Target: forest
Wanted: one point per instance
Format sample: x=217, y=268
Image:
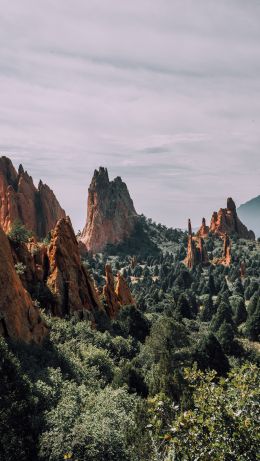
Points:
x=173, y=377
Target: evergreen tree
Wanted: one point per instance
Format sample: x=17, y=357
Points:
x=223, y=313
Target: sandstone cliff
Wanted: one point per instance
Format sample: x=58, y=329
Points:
x=226, y=221
x=117, y=295
x=123, y=291
x=36, y=208
x=196, y=251
x=19, y=318
x=111, y=216
x=203, y=230
x=110, y=296
x=68, y=279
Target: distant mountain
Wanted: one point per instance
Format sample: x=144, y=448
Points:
x=249, y=212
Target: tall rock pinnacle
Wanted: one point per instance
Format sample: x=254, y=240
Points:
x=111, y=216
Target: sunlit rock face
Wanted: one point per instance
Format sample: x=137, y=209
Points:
x=196, y=251
x=68, y=279
x=19, y=318
x=36, y=208
x=226, y=221
x=111, y=216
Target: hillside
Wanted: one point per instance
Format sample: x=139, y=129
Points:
x=249, y=212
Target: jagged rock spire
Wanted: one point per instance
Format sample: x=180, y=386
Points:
x=111, y=216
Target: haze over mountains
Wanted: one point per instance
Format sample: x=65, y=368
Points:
x=249, y=212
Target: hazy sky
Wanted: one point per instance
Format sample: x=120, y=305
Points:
x=164, y=93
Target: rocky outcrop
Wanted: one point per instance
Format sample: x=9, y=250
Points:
x=111, y=216
x=226, y=250
x=225, y=260
x=36, y=208
x=123, y=291
x=196, y=251
x=226, y=221
x=112, y=303
x=68, y=279
x=203, y=230
x=19, y=318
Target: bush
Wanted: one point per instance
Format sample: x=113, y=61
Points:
x=19, y=233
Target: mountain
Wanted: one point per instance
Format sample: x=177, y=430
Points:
x=250, y=213
x=111, y=216
x=35, y=207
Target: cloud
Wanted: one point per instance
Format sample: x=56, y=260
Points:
x=165, y=94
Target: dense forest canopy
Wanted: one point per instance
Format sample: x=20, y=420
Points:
x=172, y=377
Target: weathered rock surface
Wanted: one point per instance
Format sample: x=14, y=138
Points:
x=109, y=293
x=203, y=230
x=225, y=260
x=36, y=208
x=68, y=279
x=226, y=221
x=123, y=291
x=111, y=216
x=196, y=251
x=19, y=318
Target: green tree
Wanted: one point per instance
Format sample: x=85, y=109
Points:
x=223, y=424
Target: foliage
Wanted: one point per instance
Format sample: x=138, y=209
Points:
x=19, y=233
x=224, y=421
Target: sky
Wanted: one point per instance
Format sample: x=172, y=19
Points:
x=165, y=94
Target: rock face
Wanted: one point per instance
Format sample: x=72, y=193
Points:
x=36, y=208
x=118, y=296
x=123, y=292
x=203, y=230
x=225, y=260
x=226, y=251
x=111, y=216
x=19, y=318
x=109, y=293
x=196, y=252
x=227, y=221
x=68, y=279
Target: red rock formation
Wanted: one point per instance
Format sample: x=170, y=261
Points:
x=68, y=279
x=33, y=257
x=38, y=209
x=111, y=216
x=19, y=318
x=123, y=292
x=203, y=230
x=110, y=295
x=225, y=260
x=227, y=221
x=196, y=252
x=226, y=250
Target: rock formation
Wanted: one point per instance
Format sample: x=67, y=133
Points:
x=196, y=252
x=19, y=318
x=111, y=216
x=110, y=296
x=123, y=292
x=68, y=279
x=36, y=208
x=225, y=260
x=226, y=250
x=203, y=230
x=227, y=221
